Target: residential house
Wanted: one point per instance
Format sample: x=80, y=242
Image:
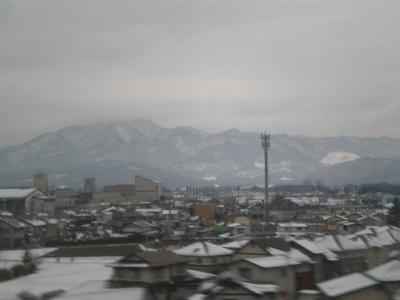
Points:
x=292, y=228
x=18, y=201
x=352, y=254
x=354, y=216
x=370, y=221
x=237, y=229
x=229, y=286
x=207, y=257
x=12, y=231
x=43, y=204
x=387, y=274
x=380, y=241
x=37, y=229
x=325, y=261
x=291, y=271
x=159, y=271
x=349, y=227
x=331, y=223
x=255, y=247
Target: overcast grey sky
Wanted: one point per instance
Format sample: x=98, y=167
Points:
x=310, y=67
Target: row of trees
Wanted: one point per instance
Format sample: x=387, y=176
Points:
x=394, y=214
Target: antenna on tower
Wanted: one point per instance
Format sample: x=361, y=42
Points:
x=265, y=143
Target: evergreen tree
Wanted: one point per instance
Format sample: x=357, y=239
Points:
x=27, y=257
x=394, y=214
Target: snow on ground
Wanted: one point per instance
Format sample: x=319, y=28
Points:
x=52, y=275
x=97, y=290
x=9, y=258
x=334, y=158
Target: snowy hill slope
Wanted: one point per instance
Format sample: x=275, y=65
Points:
x=116, y=151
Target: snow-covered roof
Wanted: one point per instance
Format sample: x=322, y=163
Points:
x=197, y=296
x=218, y=285
x=235, y=244
x=387, y=272
x=309, y=292
x=273, y=261
x=259, y=289
x=233, y=225
x=203, y=249
x=36, y=222
x=16, y=193
x=128, y=265
x=337, y=216
x=200, y=275
x=149, y=210
x=377, y=236
x=316, y=248
x=367, y=217
x=52, y=221
x=114, y=208
x=299, y=256
x=170, y=212
x=339, y=243
x=346, y=284
x=293, y=225
x=294, y=254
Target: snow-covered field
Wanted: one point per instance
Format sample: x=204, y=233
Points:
x=9, y=258
x=80, y=278
x=334, y=158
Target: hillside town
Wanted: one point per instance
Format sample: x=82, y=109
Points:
x=144, y=241
x=199, y=150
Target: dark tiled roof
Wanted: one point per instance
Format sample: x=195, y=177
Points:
x=156, y=258
x=277, y=243
x=98, y=250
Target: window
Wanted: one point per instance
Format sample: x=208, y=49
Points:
x=245, y=272
x=136, y=275
x=159, y=273
x=180, y=269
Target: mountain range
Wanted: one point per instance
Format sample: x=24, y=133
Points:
x=114, y=152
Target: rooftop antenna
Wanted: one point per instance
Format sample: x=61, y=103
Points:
x=265, y=143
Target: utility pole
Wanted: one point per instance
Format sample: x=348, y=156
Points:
x=265, y=143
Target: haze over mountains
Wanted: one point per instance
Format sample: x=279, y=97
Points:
x=115, y=152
